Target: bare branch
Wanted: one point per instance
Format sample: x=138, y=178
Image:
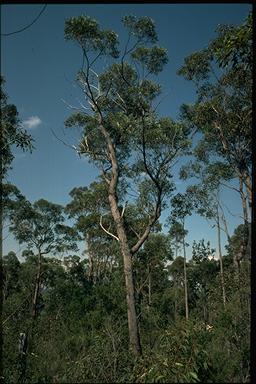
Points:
x=135, y=232
x=229, y=186
x=123, y=209
x=66, y=144
x=90, y=69
x=142, y=285
x=105, y=230
x=82, y=105
x=70, y=106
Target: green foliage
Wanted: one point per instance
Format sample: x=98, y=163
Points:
x=181, y=206
x=201, y=252
x=87, y=33
x=82, y=325
x=196, y=66
x=222, y=112
x=239, y=237
x=142, y=28
x=41, y=226
x=154, y=58
x=179, y=357
x=80, y=333
x=12, y=132
x=232, y=46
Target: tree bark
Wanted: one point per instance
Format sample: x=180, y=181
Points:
x=223, y=218
x=149, y=287
x=221, y=261
x=248, y=185
x=90, y=259
x=244, y=204
x=185, y=275
x=134, y=336
x=37, y=286
x=175, y=300
x=129, y=282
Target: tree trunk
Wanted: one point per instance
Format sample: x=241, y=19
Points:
x=90, y=259
x=221, y=261
x=37, y=286
x=185, y=275
x=129, y=282
x=134, y=336
x=244, y=204
x=248, y=185
x=246, y=219
x=149, y=287
x=175, y=285
x=223, y=219
x=175, y=300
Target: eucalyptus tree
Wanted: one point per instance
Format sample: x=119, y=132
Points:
x=202, y=272
x=89, y=207
x=181, y=208
x=205, y=203
x=150, y=263
x=12, y=133
x=11, y=267
x=121, y=132
x=210, y=178
x=207, y=200
x=41, y=227
x=222, y=113
x=177, y=234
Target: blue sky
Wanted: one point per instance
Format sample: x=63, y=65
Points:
x=39, y=67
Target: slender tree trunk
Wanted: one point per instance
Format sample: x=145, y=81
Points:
x=221, y=261
x=90, y=259
x=223, y=219
x=185, y=274
x=246, y=219
x=129, y=282
x=29, y=332
x=175, y=300
x=175, y=285
x=149, y=287
x=133, y=327
x=37, y=286
x=246, y=242
x=248, y=185
x=205, y=313
x=244, y=203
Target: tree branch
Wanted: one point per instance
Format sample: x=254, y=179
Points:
x=105, y=230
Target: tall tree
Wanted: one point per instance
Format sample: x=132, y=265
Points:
x=41, y=226
x=205, y=201
x=120, y=127
x=222, y=114
x=89, y=207
x=202, y=273
x=177, y=234
x=12, y=133
x=181, y=208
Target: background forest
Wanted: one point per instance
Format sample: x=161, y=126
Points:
x=134, y=307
